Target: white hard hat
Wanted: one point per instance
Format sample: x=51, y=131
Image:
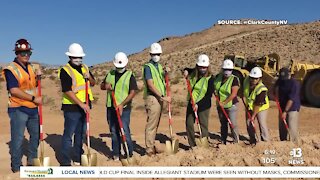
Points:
x=203, y=60
x=227, y=64
x=155, y=48
x=255, y=72
x=75, y=50
x=120, y=60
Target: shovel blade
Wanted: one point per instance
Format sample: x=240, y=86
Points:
x=89, y=160
x=36, y=162
x=203, y=142
x=168, y=147
x=128, y=161
x=42, y=161
x=175, y=146
x=172, y=146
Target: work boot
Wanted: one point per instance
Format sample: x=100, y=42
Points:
x=116, y=158
x=150, y=152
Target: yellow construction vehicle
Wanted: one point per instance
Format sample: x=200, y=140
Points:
x=307, y=74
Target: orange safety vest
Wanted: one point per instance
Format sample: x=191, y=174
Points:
x=27, y=83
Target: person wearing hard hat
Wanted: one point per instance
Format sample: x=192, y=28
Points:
x=202, y=83
x=287, y=91
x=73, y=77
x=226, y=88
x=20, y=76
x=256, y=99
x=124, y=84
x=154, y=95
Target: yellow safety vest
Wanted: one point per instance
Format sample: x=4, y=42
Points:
x=157, y=77
x=78, y=84
x=224, y=90
x=121, y=87
x=199, y=88
x=250, y=97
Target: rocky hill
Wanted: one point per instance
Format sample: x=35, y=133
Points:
x=294, y=41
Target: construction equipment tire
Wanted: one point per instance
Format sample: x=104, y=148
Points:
x=312, y=89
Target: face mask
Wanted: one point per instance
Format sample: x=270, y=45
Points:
x=155, y=58
x=77, y=61
x=202, y=71
x=227, y=73
x=121, y=70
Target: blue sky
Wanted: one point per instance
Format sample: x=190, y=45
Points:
x=104, y=27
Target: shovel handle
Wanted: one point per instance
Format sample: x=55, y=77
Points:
x=191, y=99
x=40, y=107
x=249, y=115
x=87, y=113
x=193, y=105
x=224, y=112
x=168, y=94
x=118, y=117
x=280, y=110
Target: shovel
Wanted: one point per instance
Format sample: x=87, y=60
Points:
x=41, y=161
x=203, y=141
x=225, y=114
x=172, y=145
x=251, y=120
x=129, y=160
x=88, y=159
x=284, y=120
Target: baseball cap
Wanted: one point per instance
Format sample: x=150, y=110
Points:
x=284, y=73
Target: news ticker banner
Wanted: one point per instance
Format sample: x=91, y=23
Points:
x=171, y=172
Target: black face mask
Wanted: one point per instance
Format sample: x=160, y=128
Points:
x=202, y=71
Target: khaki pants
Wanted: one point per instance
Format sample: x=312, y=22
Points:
x=190, y=120
x=262, y=121
x=292, y=121
x=153, y=108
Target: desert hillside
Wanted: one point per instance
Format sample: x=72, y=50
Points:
x=295, y=41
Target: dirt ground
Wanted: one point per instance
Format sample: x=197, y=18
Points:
x=240, y=154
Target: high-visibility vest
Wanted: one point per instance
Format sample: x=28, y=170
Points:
x=27, y=83
x=199, y=88
x=224, y=90
x=157, y=77
x=121, y=87
x=78, y=84
x=250, y=97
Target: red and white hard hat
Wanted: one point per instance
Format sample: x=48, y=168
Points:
x=22, y=45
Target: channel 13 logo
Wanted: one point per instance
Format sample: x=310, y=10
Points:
x=296, y=156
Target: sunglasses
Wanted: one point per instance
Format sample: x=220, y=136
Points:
x=25, y=53
x=155, y=54
x=251, y=78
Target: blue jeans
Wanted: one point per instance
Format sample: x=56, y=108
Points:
x=115, y=130
x=18, y=122
x=73, y=125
